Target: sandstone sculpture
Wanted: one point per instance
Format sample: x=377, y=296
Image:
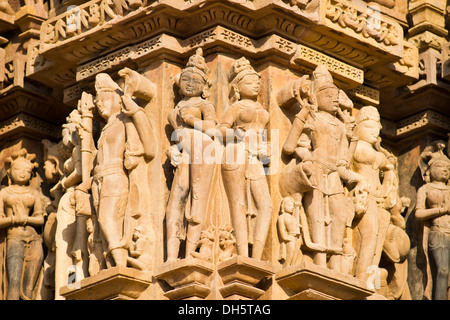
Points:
x=192, y=119
x=21, y=212
x=245, y=152
x=126, y=143
x=432, y=208
x=319, y=166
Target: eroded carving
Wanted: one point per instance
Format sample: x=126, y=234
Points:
x=432, y=209
x=246, y=151
x=318, y=146
x=193, y=119
x=118, y=172
x=21, y=213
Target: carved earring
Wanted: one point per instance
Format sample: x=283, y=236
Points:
x=236, y=95
x=177, y=79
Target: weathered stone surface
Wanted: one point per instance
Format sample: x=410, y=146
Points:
x=224, y=149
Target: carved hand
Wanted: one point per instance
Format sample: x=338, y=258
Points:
x=174, y=155
x=131, y=81
x=129, y=106
x=239, y=133
x=308, y=167
x=187, y=118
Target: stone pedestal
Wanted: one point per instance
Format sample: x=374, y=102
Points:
x=117, y=283
x=241, y=276
x=307, y=281
x=189, y=279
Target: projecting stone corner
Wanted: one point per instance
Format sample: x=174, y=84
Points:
x=307, y=281
x=188, y=279
x=117, y=283
x=241, y=276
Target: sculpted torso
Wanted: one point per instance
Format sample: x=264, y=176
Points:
x=111, y=145
x=436, y=197
x=367, y=162
x=327, y=138
x=18, y=201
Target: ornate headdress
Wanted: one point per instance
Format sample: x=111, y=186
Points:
x=240, y=69
x=367, y=113
x=104, y=83
x=321, y=79
x=21, y=155
x=430, y=155
x=197, y=64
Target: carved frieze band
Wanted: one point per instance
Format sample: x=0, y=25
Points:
x=365, y=22
x=418, y=121
x=30, y=124
x=296, y=53
x=365, y=94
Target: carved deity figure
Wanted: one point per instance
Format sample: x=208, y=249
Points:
x=21, y=212
x=433, y=208
x=140, y=257
x=67, y=233
x=370, y=161
x=289, y=232
x=315, y=176
x=227, y=243
x=192, y=119
x=246, y=151
x=126, y=139
x=205, y=245
x=55, y=154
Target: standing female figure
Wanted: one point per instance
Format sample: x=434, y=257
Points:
x=369, y=162
x=192, y=119
x=243, y=173
x=433, y=208
x=21, y=211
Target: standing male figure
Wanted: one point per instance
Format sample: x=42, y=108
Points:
x=126, y=136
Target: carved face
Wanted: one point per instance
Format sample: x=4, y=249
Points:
x=328, y=99
x=369, y=131
x=249, y=86
x=68, y=132
x=440, y=171
x=107, y=103
x=191, y=84
x=51, y=174
x=20, y=172
x=289, y=206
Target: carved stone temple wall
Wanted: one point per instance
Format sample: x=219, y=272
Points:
x=224, y=150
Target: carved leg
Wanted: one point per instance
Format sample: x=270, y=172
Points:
x=442, y=260
x=368, y=227
x=34, y=256
x=112, y=206
x=234, y=182
x=175, y=210
x=64, y=237
x=15, y=251
x=339, y=214
x=201, y=178
x=314, y=210
x=263, y=203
